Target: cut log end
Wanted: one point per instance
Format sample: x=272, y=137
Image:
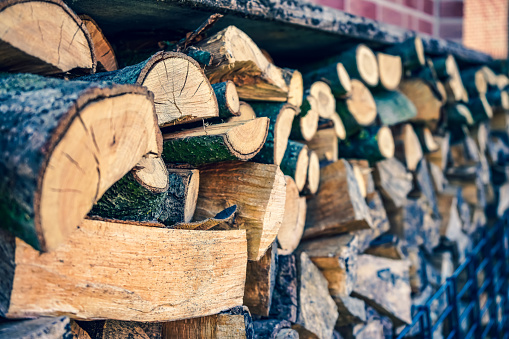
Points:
x=326, y=104
x=301, y=168
x=309, y=123
x=429, y=142
x=106, y=60
x=282, y=131
x=227, y=99
x=385, y=142
x=313, y=180
x=391, y=70
x=291, y=229
x=339, y=127
x=151, y=173
x=295, y=89
x=247, y=139
x=246, y=112
x=361, y=105
x=419, y=48
x=25, y=46
x=344, y=78
x=367, y=65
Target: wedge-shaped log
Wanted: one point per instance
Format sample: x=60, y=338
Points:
x=358, y=109
x=391, y=71
x=411, y=52
x=281, y=117
x=379, y=218
x=373, y=143
x=180, y=201
x=182, y=93
x=42, y=328
x=295, y=162
x=25, y=43
x=240, y=140
x=138, y=196
x=393, y=181
x=291, y=229
x=325, y=145
x=384, y=285
x=408, y=149
x=104, y=54
x=338, y=206
x=351, y=310
x=236, y=57
x=361, y=64
x=259, y=192
x=394, y=107
x=135, y=283
x=335, y=75
x=63, y=145
x=425, y=100
x=336, y=258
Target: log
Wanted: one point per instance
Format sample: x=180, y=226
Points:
x=379, y=218
x=325, y=145
x=421, y=94
x=180, y=200
x=391, y=70
x=338, y=125
x=428, y=143
x=260, y=281
x=335, y=75
x=336, y=258
x=295, y=84
x=439, y=157
x=221, y=221
x=77, y=281
x=386, y=246
x=360, y=179
x=235, y=323
x=246, y=112
x=393, y=181
x=29, y=42
x=325, y=101
x=407, y=148
x=285, y=295
x=295, y=163
x=138, y=196
x=281, y=117
x=411, y=52
x=384, y=285
x=274, y=329
x=365, y=171
x=474, y=81
x=371, y=330
x=358, y=109
x=76, y=140
x=313, y=174
x=181, y=91
x=42, y=328
x=394, y=107
x=498, y=99
x=227, y=99
x=338, y=206
x=424, y=185
x=500, y=121
x=317, y=310
x=237, y=58
x=103, y=52
x=459, y=114
x=305, y=124
x=259, y=192
x=240, y=140
x=361, y=63
x=116, y=329
x=294, y=219
x=351, y=310
x=373, y=143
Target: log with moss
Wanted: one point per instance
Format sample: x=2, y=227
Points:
x=227, y=99
x=295, y=162
x=104, y=53
x=358, y=110
x=394, y=107
x=373, y=143
x=281, y=117
x=411, y=52
x=391, y=71
x=180, y=200
x=138, y=196
x=305, y=124
x=240, y=140
x=181, y=90
x=60, y=154
x=335, y=75
x=361, y=63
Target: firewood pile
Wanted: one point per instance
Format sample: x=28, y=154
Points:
x=201, y=191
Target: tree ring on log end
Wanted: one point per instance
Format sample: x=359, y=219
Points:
x=326, y=104
x=296, y=89
x=282, y=129
x=367, y=65
x=309, y=123
x=385, y=142
x=232, y=97
x=361, y=104
x=245, y=140
x=151, y=173
x=419, y=48
x=344, y=78
x=339, y=127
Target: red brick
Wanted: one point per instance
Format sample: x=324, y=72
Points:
x=338, y=4
x=451, y=30
x=451, y=9
x=391, y=16
x=413, y=3
x=425, y=27
x=363, y=8
x=428, y=7
x=413, y=23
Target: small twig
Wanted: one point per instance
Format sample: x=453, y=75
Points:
x=192, y=36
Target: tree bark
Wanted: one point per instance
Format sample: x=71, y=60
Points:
x=325, y=145
x=394, y=107
x=285, y=298
x=43, y=328
x=180, y=201
x=335, y=75
x=305, y=124
x=358, y=109
x=274, y=329
x=361, y=64
x=295, y=163
x=373, y=143
x=411, y=52
x=227, y=99
x=104, y=54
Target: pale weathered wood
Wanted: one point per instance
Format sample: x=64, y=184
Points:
x=384, y=284
x=43, y=37
x=391, y=71
x=386, y=246
x=259, y=192
x=394, y=107
x=305, y=123
x=127, y=272
x=358, y=109
x=104, y=54
x=246, y=112
x=325, y=145
x=116, y=329
x=379, y=218
x=338, y=206
x=335, y=75
x=274, y=329
x=420, y=93
x=351, y=310
x=42, y=328
x=393, y=181
x=294, y=219
x=407, y=146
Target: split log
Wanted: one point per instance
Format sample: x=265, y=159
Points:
x=447, y=70
x=351, y=310
x=394, y=107
x=386, y=246
x=338, y=206
x=325, y=145
x=373, y=143
x=365, y=171
x=246, y=112
x=357, y=110
x=371, y=330
x=221, y=221
x=76, y=140
x=180, y=201
x=295, y=163
x=260, y=280
x=227, y=99
x=439, y=157
x=182, y=93
x=295, y=84
x=285, y=296
x=104, y=54
x=42, y=328
x=438, y=178
x=384, y=285
x=44, y=38
x=77, y=281
x=421, y=94
x=411, y=52
x=474, y=81
x=428, y=143
x=379, y=218
x=361, y=64
x=305, y=124
x=259, y=192
x=281, y=117
x=313, y=174
x=424, y=185
x=360, y=179
x=498, y=99
x=325, y=101
x=240, y=140
x=138, y=196
x=235, y=323
x=274, y=329
x=335, y=75
x=391, y=70
x=393, y=181
x=458, y=114
x=294, y=219
x=336, y=258
x=236, y=57
x=317, y=310
x=407, y=149
x=116, y=329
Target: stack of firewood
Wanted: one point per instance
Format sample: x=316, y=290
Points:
x=205, y=192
